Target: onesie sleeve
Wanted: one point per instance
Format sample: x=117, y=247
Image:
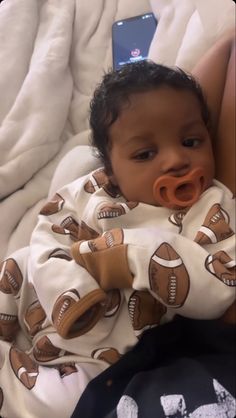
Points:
x=192, y=275
x=70, y=296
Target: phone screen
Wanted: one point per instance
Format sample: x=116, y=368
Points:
x=131, y=39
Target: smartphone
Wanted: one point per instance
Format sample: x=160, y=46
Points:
x=131, y=39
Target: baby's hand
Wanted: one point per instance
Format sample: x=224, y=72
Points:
x=105, y=258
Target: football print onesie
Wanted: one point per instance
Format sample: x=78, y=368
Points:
x=98, y=272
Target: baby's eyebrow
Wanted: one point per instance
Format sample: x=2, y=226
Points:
x=136, y=139
x=193, y=124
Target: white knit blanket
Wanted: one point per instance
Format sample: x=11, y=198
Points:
x=52, y=54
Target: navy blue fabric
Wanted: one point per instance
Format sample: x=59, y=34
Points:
x=182, y=357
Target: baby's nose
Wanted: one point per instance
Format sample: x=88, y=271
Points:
x=174, y=162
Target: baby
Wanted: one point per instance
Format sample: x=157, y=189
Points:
x=147, y=236
x=150, y=125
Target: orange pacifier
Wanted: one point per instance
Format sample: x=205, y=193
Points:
x=179, y=192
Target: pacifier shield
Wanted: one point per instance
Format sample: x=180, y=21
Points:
x=179, y=192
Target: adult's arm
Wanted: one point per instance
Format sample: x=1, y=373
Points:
x=216, y=74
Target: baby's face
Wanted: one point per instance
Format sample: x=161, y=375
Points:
x=159, y=132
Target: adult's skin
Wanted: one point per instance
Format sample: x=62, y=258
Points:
x=216, y=74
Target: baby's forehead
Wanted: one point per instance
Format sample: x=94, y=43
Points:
x=164, y=112
x=154, y=114
x=157, y=94
x=164, y=100
x=162, y=88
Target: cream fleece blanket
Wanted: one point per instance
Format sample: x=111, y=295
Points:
x=52, y=55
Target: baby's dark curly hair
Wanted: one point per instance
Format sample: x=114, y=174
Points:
x=118, y=85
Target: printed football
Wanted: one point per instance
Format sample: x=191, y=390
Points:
x=9, y=326
x=97, y=180
x=60, y=253
x=176, y=219
x=145, y=311
x=168, y=277
x=222, y=266
x=34, y=318
x=25, y=369
x=44, y=350
x=66, y=369
x=10, y=277
x=215, y=227
x=108, y=354
x=53, y=206
x=113, y=302
x=113, y=210
x=107, y=240
x=86, y=233
x=69, y=226
x=63, y=304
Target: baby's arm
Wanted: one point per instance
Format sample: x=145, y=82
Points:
x=71, y=298
x=177, y=271
x=191, y=276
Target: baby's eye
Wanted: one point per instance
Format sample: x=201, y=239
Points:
x=144, y=155
x=191, y=142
